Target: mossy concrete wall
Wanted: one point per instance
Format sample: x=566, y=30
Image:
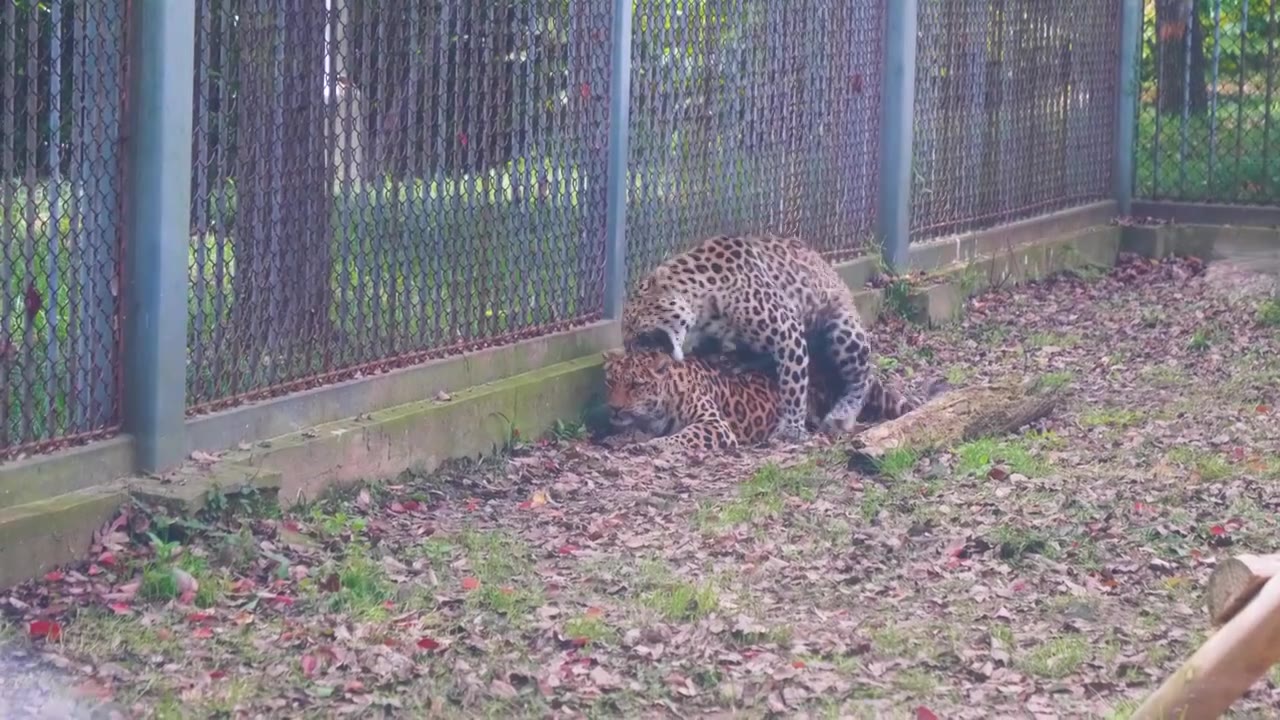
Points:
x=421, y=435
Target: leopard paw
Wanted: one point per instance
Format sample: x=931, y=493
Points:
x=791, y=433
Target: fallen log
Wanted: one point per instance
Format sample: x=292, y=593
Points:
x=1235, y=581
x=1224, y=667
x=956, y=416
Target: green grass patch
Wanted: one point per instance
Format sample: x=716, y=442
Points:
x=682, y=601
x=1209, y=466
x=898, y=462
x=1269, y=312
x=978, y=457
x=591, y=629
x=1051, y=381
x=1056, y=658
x=765, y=494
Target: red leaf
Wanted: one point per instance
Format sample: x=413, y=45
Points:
x=567, y=549
x=282, y=600
x=53, y=576
x=199, y=616
x=95, y=570
x=411, y=505
x=427, y=643
x=525, y=505
x=998, y=473
x=353, y=686
x=217, y=674
x=1217, y=530
x=44, y=629
x=33, y=301
x=107, y=558
x=924, y=713
x=1263, y=409
x=472, y=504
x=798, y=664
x=202, y=633
x=120, y=608
x=309, y=664
x=586, y=91
x=470, y=583
x=462, y=138
x=396, y=507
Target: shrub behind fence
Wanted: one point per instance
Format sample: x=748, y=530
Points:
x=1209, y=124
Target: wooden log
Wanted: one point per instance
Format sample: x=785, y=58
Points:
x=1235, y=581
x=1224, y=667
x=960, y=415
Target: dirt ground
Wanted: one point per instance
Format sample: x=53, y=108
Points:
x=1053, y=573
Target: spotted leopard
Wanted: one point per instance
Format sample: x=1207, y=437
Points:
x=712, y=402
x=764, y=293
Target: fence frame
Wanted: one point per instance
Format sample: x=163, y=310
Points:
x=1124, y=176
x=158, y=207
x=158, y=152
x=615, y=272
x=897, y=125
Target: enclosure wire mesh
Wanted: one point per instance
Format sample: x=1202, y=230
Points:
x=750, y=115
x=390, y=181
x=1208, y=118
x=62, y=95
x=1015, y=110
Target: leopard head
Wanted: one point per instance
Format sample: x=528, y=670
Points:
x=638, y=390
x=655, y=318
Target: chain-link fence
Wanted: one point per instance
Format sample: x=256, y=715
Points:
x=381, y=182
x=1209, y=102
x=1015, y=110
x=62, y=94
x=750, y=115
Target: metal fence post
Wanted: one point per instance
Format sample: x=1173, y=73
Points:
x=897, y=113
x=162, y=65
x=615, y=255
x=1127, y=106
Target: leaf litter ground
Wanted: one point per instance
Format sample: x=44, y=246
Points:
x=1053, y=573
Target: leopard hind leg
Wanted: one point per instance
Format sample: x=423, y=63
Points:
x=849, y=348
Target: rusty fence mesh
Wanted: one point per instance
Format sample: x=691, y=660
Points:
x=1015, y=110
x=1209, y=101
x=382, y=181
x=62, y=93
x=750, y=115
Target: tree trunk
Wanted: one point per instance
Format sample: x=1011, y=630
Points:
x=960, y=415
x=1172, y=28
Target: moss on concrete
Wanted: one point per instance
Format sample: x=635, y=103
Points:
x=35, y=537
x=421, y=435
x=942, y=299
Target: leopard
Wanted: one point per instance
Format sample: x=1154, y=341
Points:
x=711, y=401
x=764, y=293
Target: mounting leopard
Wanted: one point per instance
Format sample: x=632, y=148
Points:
x=712, y=401
x=764, y=293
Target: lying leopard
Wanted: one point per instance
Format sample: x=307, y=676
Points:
x=764, y=293
x=711, y=402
